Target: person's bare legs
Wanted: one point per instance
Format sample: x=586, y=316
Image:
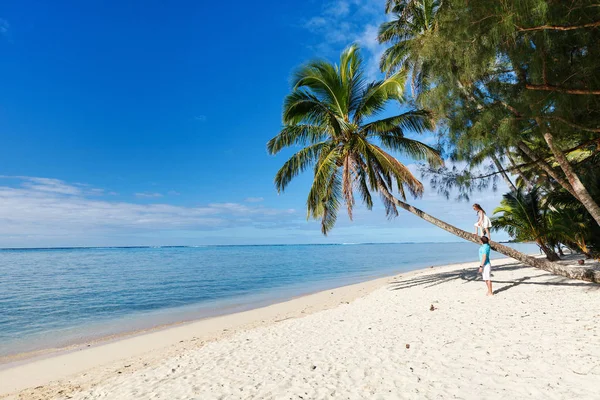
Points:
x=486, y=231
x=489, y=286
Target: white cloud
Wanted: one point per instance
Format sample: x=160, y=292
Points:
x=368, y=40
x=36, y=210
x=315, y=23
x=148, y=195
x=200, y=118
x=49, y=185
x=50, y=212
x=253, y=199
x=4, y=27
x=339, y=8
x=343, y=22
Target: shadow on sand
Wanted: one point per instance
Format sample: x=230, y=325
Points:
x=471, y=274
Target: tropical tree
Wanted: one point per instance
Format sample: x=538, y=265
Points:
x=412, y=19
x=330, y=113
x=579, y=232
x=573, y=228
x=524, y=74
x=525, y=219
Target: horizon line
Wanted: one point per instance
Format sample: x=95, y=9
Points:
x=227, y=245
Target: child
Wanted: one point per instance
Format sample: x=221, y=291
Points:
x=483, y=221
x=484, y=264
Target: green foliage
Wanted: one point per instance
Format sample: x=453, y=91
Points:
x=329, y=113
x=525, y=218
x=493, y=67
x=579, y=230
x=522, y=216
x=412, y=21
x=497, y=75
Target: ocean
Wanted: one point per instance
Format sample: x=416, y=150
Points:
x=58, y=297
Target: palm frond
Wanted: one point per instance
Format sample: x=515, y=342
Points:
x=415, y=120
x=394, y=57
x=301, y=134
x=303, y=107
x=299, y=162
x=378, y=93
x=412, y=148
x=323, y=80
x=403, y=176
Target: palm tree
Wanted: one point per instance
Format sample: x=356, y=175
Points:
x=412, y=19
x=329, y=113
x=573, y=228
x=580, y=230
x=328, y=110
x=525, y=219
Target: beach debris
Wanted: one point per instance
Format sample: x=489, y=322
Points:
x=407, y=346
x=313, y=367
x=432, y=308
x=581, y=262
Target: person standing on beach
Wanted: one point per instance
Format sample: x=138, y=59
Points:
x=483, y=221
x=485, y=268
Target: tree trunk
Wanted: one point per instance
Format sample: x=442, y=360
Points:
x=586, y=274
x=505, y=176
x=519, y=171
x=546, y=167
x=548, y=251
x=581, y=192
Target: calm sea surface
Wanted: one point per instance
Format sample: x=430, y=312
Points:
x=57, y=297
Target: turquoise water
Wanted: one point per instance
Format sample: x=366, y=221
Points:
x=57, y=297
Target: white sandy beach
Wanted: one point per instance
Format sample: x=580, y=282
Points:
x=537, y=338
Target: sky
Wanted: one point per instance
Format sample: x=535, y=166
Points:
x=126, y=123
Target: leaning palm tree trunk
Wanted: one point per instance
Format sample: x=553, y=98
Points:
x=503, y=173
x=547, y=168
x=581, y=192
x=513, y=164
x=586, y=274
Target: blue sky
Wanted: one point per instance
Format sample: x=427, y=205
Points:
x=145, y=123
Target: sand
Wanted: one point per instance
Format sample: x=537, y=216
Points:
x=426, y=334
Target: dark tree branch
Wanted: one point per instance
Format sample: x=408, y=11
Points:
x=559, y=27
x=572, y=124
x=538, y=160
x=559, y=89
